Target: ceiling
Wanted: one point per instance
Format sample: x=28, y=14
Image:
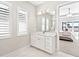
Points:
x=36, y=3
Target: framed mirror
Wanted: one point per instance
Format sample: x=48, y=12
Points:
x=45, y=22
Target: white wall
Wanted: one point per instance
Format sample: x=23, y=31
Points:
x=10, y=44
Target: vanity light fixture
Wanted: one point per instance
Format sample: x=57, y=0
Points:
x=52, y=12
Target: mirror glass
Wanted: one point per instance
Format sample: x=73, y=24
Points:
x=45, y=22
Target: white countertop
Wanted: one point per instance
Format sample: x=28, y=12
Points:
x=46, y=33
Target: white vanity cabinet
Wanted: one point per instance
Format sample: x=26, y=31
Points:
x=40, y=42
x=37, y=41
x=34, y=40
x=50, y=44
x=44, y=42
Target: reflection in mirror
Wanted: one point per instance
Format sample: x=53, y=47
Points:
x=45, y=22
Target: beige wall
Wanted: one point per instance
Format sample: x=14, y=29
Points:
x=10, y=44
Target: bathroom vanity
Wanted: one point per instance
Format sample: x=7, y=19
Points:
x=45, y=37
x=44, y=41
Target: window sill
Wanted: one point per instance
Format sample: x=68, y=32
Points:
x=3, y=38
x=22, y=34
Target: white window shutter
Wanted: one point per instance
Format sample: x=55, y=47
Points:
x=22, y=22
x=4, y=21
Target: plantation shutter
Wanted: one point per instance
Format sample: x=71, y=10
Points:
x=4, y=21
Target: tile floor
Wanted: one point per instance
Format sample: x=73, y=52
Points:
x=69, y=47
x=33, y=52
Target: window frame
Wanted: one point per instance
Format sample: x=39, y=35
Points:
x=26, y=14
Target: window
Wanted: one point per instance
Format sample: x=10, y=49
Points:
x=69, y=24
x=22, y=22
x=76, y=26
x=4, y=20
x=63, y=26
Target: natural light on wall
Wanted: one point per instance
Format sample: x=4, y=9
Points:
x=22, y=22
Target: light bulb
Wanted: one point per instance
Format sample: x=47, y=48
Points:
x=39, y=13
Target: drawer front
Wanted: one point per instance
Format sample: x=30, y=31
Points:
x=41, y=42
x=34, y=40
x=37, y=41
x=50, y=44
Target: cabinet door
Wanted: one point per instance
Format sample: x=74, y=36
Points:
x=50, y=44
x=74, y=8
x=63, y=10
x=33, y=40
x=41, y=42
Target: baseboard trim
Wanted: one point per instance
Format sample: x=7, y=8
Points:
x=43, y=50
